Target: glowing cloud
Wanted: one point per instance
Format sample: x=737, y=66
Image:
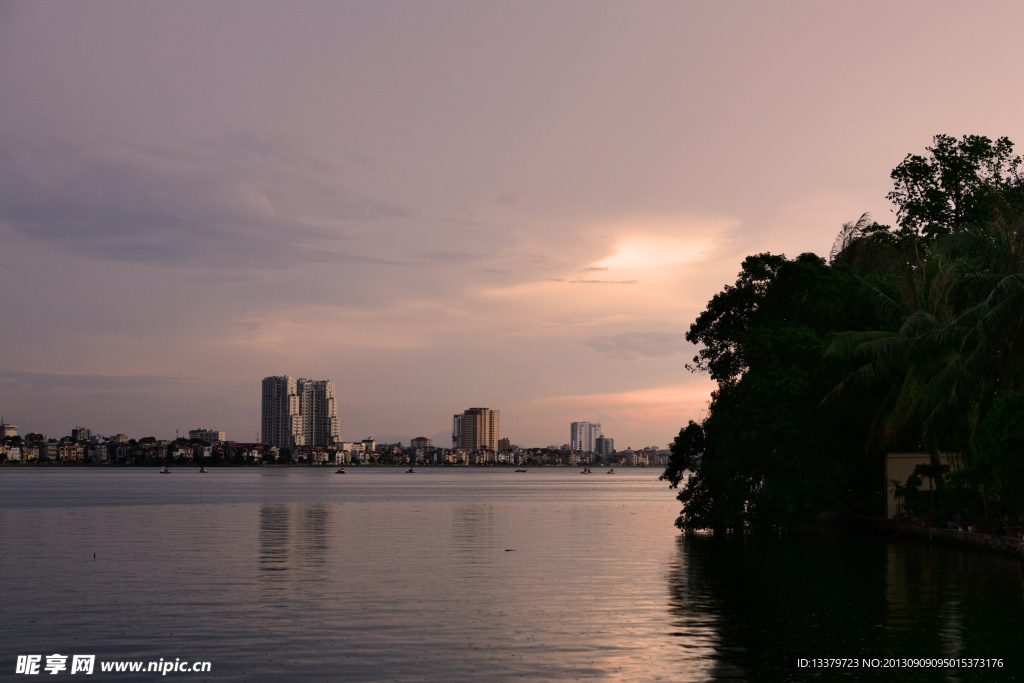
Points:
x=643, y=252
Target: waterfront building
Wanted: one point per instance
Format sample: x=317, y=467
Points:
x=318, y=412
x=80, y=434
x=457, y=430
x=7, y=430
x=504, y=445
x=280, y=424
x=182, y=452
x=207, y=435
x=477, y=428
x=604, y=446
x=63, y=451
x=299, y=412
x=421, y=442
x=583, y=435
x=96, y=452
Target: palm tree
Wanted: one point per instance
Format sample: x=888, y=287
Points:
x=990, y=291
x=908, y=358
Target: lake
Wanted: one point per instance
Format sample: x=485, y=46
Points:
x=466, y=574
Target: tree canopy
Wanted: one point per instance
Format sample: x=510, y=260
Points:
x=909, y=338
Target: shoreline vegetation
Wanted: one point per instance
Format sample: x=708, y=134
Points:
x=1002, y=545
x=906, y=339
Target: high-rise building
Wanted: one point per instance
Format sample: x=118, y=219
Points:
x=457, y=430
x=583, y=436
x=80, y=434
x=318, y=412
x=604, y=446
x=280, y=425
x=299, y=412
x=477, y=428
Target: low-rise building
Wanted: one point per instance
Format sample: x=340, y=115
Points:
x=64, y=451
x=96, y=453
x=899, y=467
x=182, y=452
x=208, y=435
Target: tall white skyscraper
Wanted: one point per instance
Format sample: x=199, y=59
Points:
x=583, y=436
x=299, y=412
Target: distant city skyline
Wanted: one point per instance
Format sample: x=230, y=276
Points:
x=438, y=205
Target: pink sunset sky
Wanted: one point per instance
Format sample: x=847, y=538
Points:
x=438, y=205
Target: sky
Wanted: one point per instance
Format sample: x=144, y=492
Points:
x=438, y=205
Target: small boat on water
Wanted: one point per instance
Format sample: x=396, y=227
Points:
x=165, y=470
x=611, y=471
x=520, y=470
x=586, y=470
x=202, y=469
x=410, y=471
x=341, y=470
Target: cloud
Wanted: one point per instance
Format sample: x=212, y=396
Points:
x=634, y=417
x=593, y=282
x=42, y=381
x=453, y=257
x=237, y=204
x=632, y=345
x=654, y=251
x=669, y=398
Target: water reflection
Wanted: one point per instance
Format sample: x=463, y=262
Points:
x=283, y=557
x=273, y=539
x=311, y=542
x=749, y=607
x=474, y=533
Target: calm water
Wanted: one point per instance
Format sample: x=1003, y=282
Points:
x=466, y=575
